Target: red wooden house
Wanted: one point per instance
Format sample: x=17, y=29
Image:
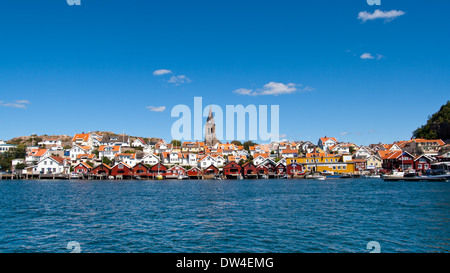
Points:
x=249, y=170
x=232, y=170
x=422, y=163
x=101, y=169
x=262, y=169
x=122, y=169
x=175, y=172
x=158, y=169
x=211, y=170
x=194, y=172
x=393, y=160
x=294, y=169
x=82, y=168
x=141, y=170
x=360, y=164
x=281, y=169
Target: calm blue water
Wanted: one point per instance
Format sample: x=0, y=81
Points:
x=224, y=216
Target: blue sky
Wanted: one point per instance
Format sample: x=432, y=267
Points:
x=337, y=68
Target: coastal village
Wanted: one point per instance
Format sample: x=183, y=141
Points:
x=96, y=156
x=106, y=155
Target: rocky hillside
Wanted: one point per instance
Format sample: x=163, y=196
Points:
x=438, y=125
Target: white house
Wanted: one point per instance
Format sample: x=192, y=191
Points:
x=79, y=150
x=363, y=152
x=339, y=149
x=326, y=142
x=6, y=147
x=150, y=159
x=207, y=161
x=192, y=159
x=56, y=142
x=260, y=159
x=108, y=151
x=91, y=139
x=138, y=142
x=36, y=155
x=129, y=159
x=52, y=165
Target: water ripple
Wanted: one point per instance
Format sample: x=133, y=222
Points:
x=224, y=216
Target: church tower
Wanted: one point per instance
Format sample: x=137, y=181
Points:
x=210, y=130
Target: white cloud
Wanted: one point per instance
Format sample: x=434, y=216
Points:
x=273, y=89
x=243, y=91
x=367, y=56
x=344, y=133
x=161, y=72
x=156, y=108
x=177, y=80
x=378, y=14
x=22, y=104
x=276, y=88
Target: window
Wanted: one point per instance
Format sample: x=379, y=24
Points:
x=344, y=167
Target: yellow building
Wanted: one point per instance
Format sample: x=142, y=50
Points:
x=324, y=163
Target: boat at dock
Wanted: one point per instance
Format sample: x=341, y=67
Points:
x=441, y=176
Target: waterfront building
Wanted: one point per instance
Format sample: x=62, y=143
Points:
x=324, y=163
x=294, y=169
x=211, y=170
x=423, y=162
x=249, y=170
x=373, y=162
x=393, y=160
x=141, y=169
x=122, y=169
x=82, y=168
x=102, y=169
x=52, y=165
x=232, y=170
x=194, y=173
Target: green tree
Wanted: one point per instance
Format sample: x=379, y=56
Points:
x=437, y=126
x=176, y=143
x=249, y=143
x=236, y=142
x=107, y=161
x=351, y=149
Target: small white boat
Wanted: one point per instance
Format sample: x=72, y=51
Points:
x=319, y=178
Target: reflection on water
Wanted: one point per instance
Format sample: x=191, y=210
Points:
x=340, y=215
